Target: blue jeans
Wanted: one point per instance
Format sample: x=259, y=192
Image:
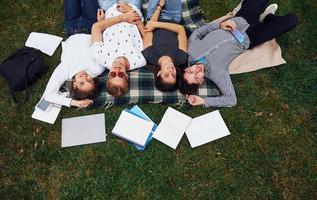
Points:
x=171, y=12
x=106, y=4
x=80, y=15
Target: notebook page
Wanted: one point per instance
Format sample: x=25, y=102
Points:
x=132, y=128
x=206, y=128
x=47, y=43
x=172, y=127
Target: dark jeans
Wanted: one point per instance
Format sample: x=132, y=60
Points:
x=272, y=25
x=79, y=15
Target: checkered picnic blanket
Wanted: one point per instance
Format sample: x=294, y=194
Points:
x=142, y=89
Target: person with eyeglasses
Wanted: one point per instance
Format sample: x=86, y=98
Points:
x=213, y=46
x=78, y=68
x=118, y=47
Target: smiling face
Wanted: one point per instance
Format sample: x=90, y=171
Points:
x=117, y=74
x=167, y=70
x=195, y=74
x=83, y=82
x=117, y=82
x=168, y=73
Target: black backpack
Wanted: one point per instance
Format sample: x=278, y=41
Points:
x=21, y=69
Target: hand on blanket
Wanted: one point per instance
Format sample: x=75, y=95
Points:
x=228, y=25
x=100, y=15
x=195, y=100
x=81, y=103
x=131, y=17
x=124, y=7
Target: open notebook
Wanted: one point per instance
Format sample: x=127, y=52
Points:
x=133, y=128
x=199, y=130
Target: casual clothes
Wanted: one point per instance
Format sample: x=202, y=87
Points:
x=220, y=47
x=272, y=26
x=172, y=10
x=76, y=57
x=122, y=39
x=165, y=43
x=80, y=15
x=165, y=47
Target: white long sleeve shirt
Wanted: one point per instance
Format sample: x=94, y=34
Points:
x=76, y=57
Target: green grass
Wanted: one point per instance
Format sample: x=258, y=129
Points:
x=271, y=153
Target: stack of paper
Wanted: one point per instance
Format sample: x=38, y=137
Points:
x=83, y=130
x=200, y=130
x=46, y=111
x=136, y=110
x=133, y=128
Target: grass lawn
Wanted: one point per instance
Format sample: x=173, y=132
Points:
x=271, y=153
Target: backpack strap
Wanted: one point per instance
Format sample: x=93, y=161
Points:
x=26, y=96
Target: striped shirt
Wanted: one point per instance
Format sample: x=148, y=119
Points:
x=219, y=47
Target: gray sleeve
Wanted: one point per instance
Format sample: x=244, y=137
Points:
x=228, y=98
x=201, y=32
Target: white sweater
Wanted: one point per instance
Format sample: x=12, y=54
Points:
x=76, y=57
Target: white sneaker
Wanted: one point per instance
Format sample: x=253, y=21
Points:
x=236, y=9
x=271, y=9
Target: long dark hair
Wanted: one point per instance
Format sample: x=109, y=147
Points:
x=79, y=95
x=161, y=85
x=184, y=87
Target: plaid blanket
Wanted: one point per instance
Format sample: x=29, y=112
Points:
x=142, y=89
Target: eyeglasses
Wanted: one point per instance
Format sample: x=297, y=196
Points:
x=119, y=74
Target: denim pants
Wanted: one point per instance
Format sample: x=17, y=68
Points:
x=80, y=15
x=106, y=4
x=172, y=10
x=272, y=25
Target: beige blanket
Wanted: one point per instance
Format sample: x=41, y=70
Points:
x=265, y=55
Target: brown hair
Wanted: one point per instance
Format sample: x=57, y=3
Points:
x=184, y=87
x=78, y=94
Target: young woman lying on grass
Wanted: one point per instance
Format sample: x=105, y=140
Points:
x=77, y=64
x=213, y=47
x=165, y=42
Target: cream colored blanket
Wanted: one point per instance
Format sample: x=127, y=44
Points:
x=265, y=55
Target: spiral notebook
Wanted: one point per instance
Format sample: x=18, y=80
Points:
x=132, y=128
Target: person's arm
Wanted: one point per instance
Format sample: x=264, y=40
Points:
x=148, y=36
x=98, y=27
x=141, y=29
x=54, y=84
x=201, y=32
x=228, y=98
x=125, y=8
x=52, y=94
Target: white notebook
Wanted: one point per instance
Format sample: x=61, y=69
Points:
x=83, y=130
x=47, y=43
x=172, y=127
x=199, y=130
x=132, y=128
x=46, y=111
